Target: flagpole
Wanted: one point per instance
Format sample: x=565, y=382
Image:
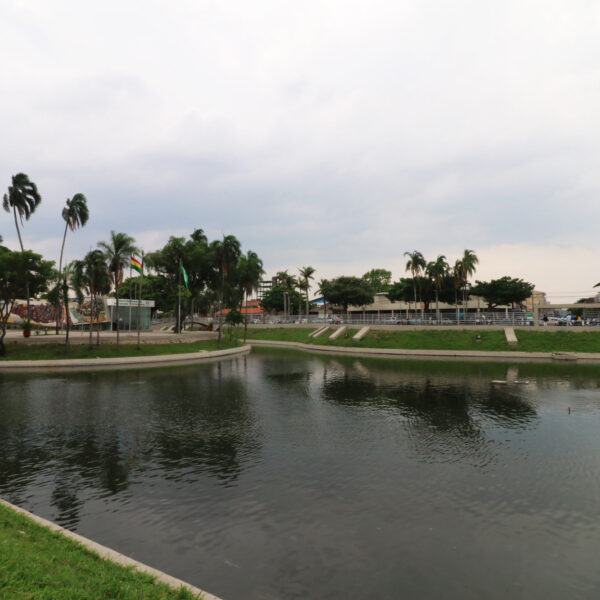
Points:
x=179, y=302
x=139, y=316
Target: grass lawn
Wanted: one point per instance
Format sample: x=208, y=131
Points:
x=37, y=563
x=444, y=339
x=15, y=351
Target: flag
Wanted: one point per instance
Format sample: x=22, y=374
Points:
x=136, y=265
x=185, y=275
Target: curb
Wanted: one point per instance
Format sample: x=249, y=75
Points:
x=403, y=353
x=112, y=555
x=126, y=361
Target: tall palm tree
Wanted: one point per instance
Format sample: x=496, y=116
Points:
x=250, y=273
x=307, y=274
x=436, y=271
x=23, y=198
x=468, y=261
x=118, y=253
x=289, y=284
x=91, y=274
x=415, y=264
x=226, y=254
x=70, y=278
x=457, y=274
x=75, y=215
x=323, y=289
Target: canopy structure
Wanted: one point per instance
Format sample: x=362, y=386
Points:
x=543, y=307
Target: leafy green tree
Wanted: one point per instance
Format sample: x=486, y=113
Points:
x=349, y=291
x=75, y=215
x=118, y=251
x=155, y=288
x=415, y=264
x=274, y=300
x=19, y=272
x=379, y=280
x=306, y=274
x=506, y=290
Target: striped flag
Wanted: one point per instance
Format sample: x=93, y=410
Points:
x=136, y=265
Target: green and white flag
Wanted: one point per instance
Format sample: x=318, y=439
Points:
x=185, y=275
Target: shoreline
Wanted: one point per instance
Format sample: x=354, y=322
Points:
x=111, y=555
x=475, y=355
x=124, y=362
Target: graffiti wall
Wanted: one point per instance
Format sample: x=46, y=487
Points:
x=44, y=314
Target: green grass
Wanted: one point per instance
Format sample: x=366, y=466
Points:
x=444, y=339
x=17, y=351
x=37, y=563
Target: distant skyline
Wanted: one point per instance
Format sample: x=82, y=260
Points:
x=333, y=134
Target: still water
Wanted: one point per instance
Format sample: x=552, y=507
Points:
x=284, y=475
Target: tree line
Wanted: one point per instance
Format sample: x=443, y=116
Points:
x=217, y=274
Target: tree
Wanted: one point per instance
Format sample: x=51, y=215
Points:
x=457, y=277
x=277, y=298
x=349, y=291
x=75, y=215
x=323, y=289
x=117, y=253
x=225, y=256
x=289, y=284
x=506, y=290
x=379, y=280
x=415, y=264
x=23, y=198
x=467, y=268
x=19, y=272
x=250, y=270
x=91, y=274
x=306, y=273
x=436, y=271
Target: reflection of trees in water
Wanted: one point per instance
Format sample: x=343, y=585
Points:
x=95, y=431
x=442, y=413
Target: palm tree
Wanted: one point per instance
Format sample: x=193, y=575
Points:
x=92, y=274
x=437, y=270
x=226, y=253
x=415, y=264
x=75, y=215
x=322, y=289
x=70, y=278
x=457, y=272
x=250, y=272
x=307, y=274
x=118, y=253
x=23, y=198
x=468, y=261
x=289, y=284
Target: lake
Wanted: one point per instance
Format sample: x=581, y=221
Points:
x=287, y=475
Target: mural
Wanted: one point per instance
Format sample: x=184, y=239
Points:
x=44, y=314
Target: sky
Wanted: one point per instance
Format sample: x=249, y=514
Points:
x=336, y=134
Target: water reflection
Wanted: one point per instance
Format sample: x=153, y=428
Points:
x=291, y=475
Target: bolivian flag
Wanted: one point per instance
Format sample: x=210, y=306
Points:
x=136, y=265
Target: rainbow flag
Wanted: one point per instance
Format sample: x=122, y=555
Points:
x=136, y=265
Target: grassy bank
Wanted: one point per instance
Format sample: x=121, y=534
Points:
x=36, y=563
x=444, y=339
x=55, y=351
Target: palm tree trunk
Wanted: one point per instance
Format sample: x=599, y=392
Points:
x=221, y=307
x=91, y=317
x=246, y=318
x=456, y=302
x=22, y=250
x=117, y=308
x=67, y=323
x=98, y=326
x=415, y=307
x=437, y=305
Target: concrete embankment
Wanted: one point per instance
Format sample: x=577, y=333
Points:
x=112, y=555
x=125, y=362
x=429, y=354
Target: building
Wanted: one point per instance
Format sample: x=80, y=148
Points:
x=264, y=286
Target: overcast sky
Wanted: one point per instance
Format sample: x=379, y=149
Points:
x=337, y=134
